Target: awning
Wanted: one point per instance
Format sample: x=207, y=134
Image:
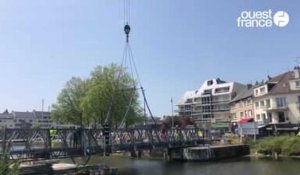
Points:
x=246, y=120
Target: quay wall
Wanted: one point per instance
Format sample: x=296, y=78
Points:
x=208, y=153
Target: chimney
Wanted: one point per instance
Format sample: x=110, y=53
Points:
x=297, y=72
x=269, y=77
x=249, y=86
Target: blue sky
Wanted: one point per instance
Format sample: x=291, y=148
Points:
x=176, y=44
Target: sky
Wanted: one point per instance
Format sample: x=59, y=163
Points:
x=176, y=45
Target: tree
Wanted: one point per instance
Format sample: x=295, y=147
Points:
x=68, y=109
x=109, y=91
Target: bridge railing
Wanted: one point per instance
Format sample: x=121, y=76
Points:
x=49, y=143
x=151, y=137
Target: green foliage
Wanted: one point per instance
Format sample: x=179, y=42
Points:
x=67, y=109
x=7, y=167
x=291, y=146
x=88, y=101
x=285, y=145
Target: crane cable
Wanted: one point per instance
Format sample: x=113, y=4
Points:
x=133, y=70
x=126, y=52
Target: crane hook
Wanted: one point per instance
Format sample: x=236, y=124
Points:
x=127, y=30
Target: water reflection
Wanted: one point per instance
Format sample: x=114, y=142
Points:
x=243, y=166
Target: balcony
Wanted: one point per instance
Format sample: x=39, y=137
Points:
x=274, y=108
x=265, y=107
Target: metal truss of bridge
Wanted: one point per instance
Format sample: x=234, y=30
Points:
x=69, y=143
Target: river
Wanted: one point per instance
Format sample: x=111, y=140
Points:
x=243, y=166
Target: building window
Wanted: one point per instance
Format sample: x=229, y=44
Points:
x=222, y=90
x=263, y=117
x=206, y=100
x=246, y=114
x=268, y=103
x=189, y=100
x=298, y=83
x=242, y=114
x=256, y=105
x=207, y=92
x=210, y=82
x=187, y=107
x=262, y=103
x=258, y=117
x=256, y=92
x=233, y=116
x=197, y=99
x=262, y=90
x=207, y=116
x=281, y=102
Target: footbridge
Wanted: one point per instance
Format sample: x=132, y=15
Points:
x=65, y=143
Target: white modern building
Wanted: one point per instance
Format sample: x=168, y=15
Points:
x=210, y=103
x=278, y=99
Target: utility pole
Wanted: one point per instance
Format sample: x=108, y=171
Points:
x=172, y=117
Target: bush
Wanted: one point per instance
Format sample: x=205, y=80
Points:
x=285, y=145
x=291, y=147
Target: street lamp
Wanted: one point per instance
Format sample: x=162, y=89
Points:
x=172, y=117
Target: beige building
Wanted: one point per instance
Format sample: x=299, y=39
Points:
x=278, y=99
x=241, y=107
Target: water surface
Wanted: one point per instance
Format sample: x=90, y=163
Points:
x=243, y=166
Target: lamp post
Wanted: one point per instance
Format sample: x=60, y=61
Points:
x=172, y=117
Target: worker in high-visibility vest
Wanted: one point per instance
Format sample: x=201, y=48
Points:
x=200, y=133
x=52, y=136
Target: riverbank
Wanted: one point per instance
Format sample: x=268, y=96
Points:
x=275, y=147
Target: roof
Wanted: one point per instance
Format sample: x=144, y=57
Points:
x=23, y=114
x=41, y=113
x=245, y=93
x=282, y=85
x=6, y=116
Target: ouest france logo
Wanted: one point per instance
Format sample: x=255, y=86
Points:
x=263, y=19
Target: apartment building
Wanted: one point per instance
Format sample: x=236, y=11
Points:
x=23, y=119
x=6, y=120
x=17, y=119
x=241, y=107
x=209, y=103
x=277, y=100
x=43, y=119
